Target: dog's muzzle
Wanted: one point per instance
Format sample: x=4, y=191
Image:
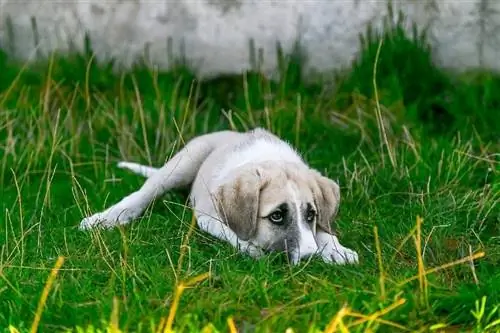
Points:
x=298, y=249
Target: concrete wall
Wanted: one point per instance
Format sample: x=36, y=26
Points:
x=217, y=36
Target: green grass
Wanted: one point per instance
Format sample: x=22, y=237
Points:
x=65, y=124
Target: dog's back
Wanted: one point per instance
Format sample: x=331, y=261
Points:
x=221, y=152
x=255, y=146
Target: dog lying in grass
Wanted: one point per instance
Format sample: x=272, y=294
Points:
x=250, y=189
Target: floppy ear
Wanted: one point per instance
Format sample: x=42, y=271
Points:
x=238, y=203
x=327, y=199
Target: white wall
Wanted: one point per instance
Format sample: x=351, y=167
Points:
x=214, y=35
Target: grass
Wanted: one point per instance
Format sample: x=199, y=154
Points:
x=419, y=203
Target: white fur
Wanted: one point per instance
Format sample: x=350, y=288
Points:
x=138, y=168
x=332, y=251
x=205, y=163
x=307, y=241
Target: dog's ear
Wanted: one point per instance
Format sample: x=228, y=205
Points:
x=238, y=203
x=327, y=198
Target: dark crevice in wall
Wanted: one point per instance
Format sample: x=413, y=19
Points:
x=483, y=12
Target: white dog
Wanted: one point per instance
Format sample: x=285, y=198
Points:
x=250, y=189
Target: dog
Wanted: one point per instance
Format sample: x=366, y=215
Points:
x=250, y=189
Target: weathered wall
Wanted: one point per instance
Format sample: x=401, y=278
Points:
x=214, y=35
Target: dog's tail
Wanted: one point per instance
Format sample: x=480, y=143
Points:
x=143, y=170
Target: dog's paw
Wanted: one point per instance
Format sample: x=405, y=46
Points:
x=340, y=255
x=108, y=218
x=94, y=221
x=254, y=251
x=250, y=249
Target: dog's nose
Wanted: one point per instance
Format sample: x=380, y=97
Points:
x=294, y=257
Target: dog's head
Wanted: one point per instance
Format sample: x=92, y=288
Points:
x=279, y=206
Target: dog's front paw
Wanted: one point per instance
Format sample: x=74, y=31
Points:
x=94, y=221
x=108, y=218
x=340, y=255
x=250, y=249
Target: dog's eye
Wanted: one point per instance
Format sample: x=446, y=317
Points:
x=276, y=217
x=311, y=214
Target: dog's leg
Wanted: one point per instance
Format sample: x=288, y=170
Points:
x=179, y=171
x=331, y=250
x=216, y=228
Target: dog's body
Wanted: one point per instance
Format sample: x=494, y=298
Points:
x=250, y=189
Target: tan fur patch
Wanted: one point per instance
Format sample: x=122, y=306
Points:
x=238, y=204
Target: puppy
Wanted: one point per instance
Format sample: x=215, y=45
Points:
x=250, y=189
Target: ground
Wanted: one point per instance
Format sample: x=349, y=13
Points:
x=416, y=153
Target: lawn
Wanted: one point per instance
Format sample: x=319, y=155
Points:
x=416, y=152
